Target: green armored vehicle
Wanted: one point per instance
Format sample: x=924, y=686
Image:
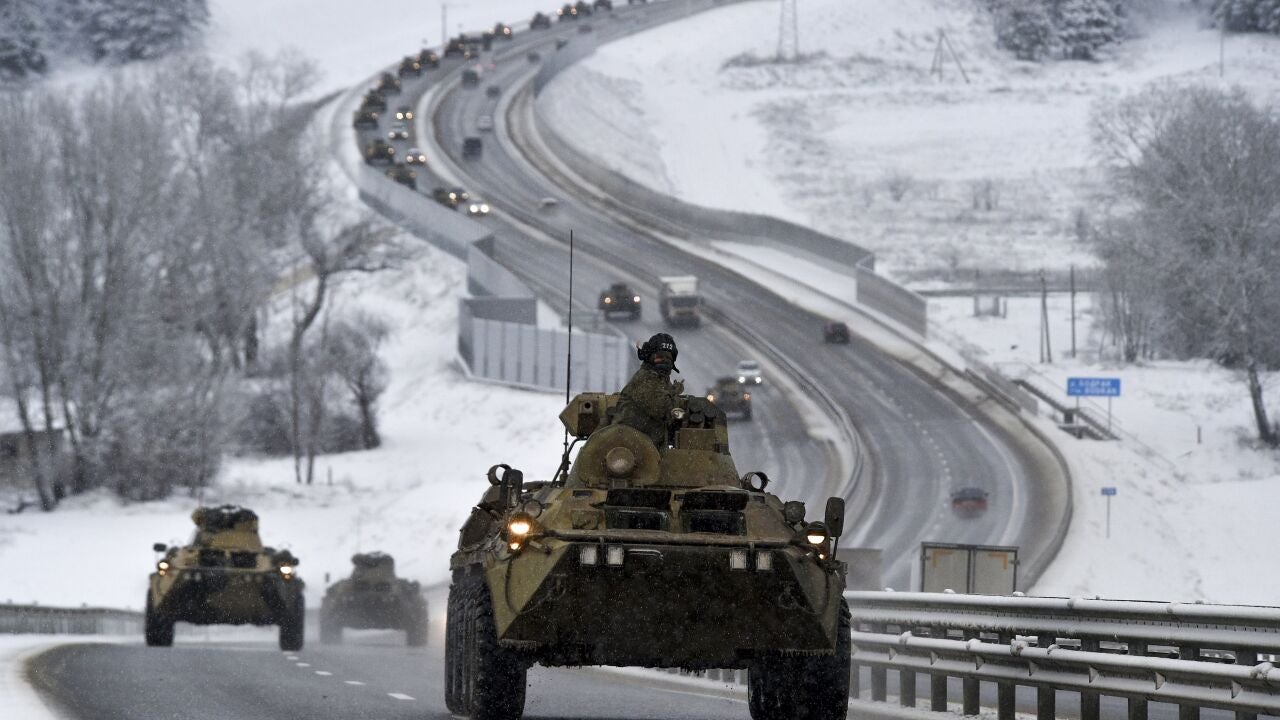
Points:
x=647, y=556
x=373, y=597
x=225, y=576
x=731, y=397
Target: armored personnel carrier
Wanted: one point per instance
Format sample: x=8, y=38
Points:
x=647, y=556
x=373, y=597
x=731, y=397
x=619, y=298
x=225, y=576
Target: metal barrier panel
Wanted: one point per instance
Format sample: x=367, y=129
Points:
x=528, y=355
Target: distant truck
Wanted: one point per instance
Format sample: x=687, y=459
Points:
x=679, y=300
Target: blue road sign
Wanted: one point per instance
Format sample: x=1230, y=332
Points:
x=1093, y=387
x=1108, y=491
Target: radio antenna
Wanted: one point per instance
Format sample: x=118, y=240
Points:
x=568, y=367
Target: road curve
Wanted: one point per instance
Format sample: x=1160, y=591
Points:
x=922, y=441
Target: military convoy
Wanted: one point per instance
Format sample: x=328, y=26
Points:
x=404, y=175
x=648, y=556
x=379, y=150
x=225, y=576
x=679, y=301
x=373, y=597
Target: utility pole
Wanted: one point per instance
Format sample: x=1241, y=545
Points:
x=1046, y=350
x=1073, y=312
x=788, y=32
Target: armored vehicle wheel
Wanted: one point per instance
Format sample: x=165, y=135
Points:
x=330, y=630
x=803, y=688
x=292, y=627
x=495, y=677
x=415, y=630
x=454, y=695
x=157, y=629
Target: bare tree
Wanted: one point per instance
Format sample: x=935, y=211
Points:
x=1202, y=169
x=353, y=349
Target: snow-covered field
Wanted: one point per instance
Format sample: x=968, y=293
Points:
x=824, y=141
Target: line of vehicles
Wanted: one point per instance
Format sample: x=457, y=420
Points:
x=225, y=575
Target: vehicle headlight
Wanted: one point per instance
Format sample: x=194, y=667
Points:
x=608, y=301
x=759, y=379
x=408, y=116
x=742, y=379
x=474, y=208
x=484, y=207
x=519, y=526
x=162, y=567
x=287, y=571
x=635, y=299
x=815, y=533
x=711, y=397
x=746, y=396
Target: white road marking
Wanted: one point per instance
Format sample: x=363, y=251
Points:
x=400, y=696
x=290, y=657
x=304, y=664
x=353, y=682
x=323, y=672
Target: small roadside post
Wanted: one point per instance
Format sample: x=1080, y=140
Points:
x=1108, y=493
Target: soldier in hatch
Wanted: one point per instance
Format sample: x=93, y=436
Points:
x=649, y=396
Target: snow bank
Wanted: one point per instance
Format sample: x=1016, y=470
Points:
x=821, y=141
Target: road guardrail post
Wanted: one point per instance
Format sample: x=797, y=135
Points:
x=879, y=675
x=938, y=681
x=970, y=686
x=1006, y=692
x=907, y=688
x=855, y=681
x=1046, y=698
x=1188, y=712
x=1090, y=702
x=1246, y=658
x=1137, y=706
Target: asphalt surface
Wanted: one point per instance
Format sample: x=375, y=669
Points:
x=372, y=675
x=919, y=443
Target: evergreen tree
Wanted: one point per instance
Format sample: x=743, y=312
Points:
x=1024, y=28
x=125, y=30
x=1085, y=26
x=21, y=39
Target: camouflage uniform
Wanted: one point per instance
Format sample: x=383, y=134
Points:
x=646, y=403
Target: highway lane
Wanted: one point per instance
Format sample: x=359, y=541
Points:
x=923, y=443
x=371, y=676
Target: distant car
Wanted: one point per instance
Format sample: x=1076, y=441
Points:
x=409, y=66
x=493, y=91
x=748, y=373
x=374, y=100
x=398, y=131
x=969, y=502
x=472, y=147
x=836, y=332
x=429, y=59
x=365, y=119
x=619, y=298
x=484, y=123
x=404, y=112
x=403, y=175
x=470, y=78
x=603, y=4
x=377, y=150
x=584, y=10
x=389, y=84
x=540, y=21
x=730, y=397
x=445, y=197
x=533, y=57
x=456, y=46
x=503, y=31
x=568, y=12
x=415, y=157
x=478, y=208
x=548, y=204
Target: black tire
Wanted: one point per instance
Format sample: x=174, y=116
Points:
x=157, y=629
x=496, y=676
x=454, y=695
x=805, y=688
x=330, y=629
x=293, y=627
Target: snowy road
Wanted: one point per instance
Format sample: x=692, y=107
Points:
x=921, y=442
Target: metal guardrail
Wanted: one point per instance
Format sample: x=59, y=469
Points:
x=1193, y=655
x=39, y=619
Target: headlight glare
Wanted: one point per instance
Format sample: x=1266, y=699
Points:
x=519, y=526
x=815, y=533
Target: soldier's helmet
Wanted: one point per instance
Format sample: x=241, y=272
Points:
x=657, y=343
